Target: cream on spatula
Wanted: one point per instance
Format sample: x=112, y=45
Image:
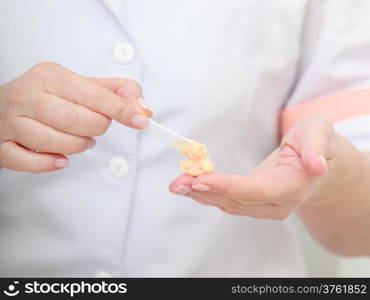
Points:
x=198, y=161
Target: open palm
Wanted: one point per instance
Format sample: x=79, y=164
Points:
x=279, y=185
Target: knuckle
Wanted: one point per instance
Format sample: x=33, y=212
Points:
x=100, y=126
x=38, y=166
x=77, y=146
x=67, y=117
x=40, y=139
x=130, y=87
x=42, y=72
x=121, y=112
x=14, y=95
x=44, y=67
x=132, y=84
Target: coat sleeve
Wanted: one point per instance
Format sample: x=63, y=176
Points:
x=333, y=76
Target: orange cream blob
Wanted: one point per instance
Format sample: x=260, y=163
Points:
x=198, y=161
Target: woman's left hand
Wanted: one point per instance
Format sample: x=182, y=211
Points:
x=294, y=174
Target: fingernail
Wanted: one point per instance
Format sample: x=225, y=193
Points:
x=91, y=143
x=201, y=187
x=324, y=160
x=139, y=121
x=145, y=106
x=182, y=189
x=61, y=163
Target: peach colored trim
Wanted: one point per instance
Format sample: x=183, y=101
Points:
x=335, y=107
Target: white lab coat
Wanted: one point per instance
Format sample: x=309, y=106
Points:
x=218, y=71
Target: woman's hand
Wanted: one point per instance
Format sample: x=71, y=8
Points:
x=315, y=172
x=50, y=112
x=294, y=174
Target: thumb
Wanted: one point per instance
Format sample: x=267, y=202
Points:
x=311, y=138
x=314, y=161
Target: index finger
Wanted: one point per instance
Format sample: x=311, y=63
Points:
x=82, y=91
x=240, y=188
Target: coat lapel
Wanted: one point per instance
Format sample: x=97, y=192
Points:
x=117, y=8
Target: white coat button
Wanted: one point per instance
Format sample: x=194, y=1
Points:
x=102, y=274
x=118, y=167
x=124, y=52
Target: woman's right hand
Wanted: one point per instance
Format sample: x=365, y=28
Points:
x=50, y=112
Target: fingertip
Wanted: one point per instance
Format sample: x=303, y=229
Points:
x=144, y=106
x=316, y=170
x=139, y=121
x=148, y=113
x=324, y=164
x=314, y=163
x=91, y=143
x=182, y=180
x=61, y=162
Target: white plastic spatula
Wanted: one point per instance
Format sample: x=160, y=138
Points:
x=165, y=135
